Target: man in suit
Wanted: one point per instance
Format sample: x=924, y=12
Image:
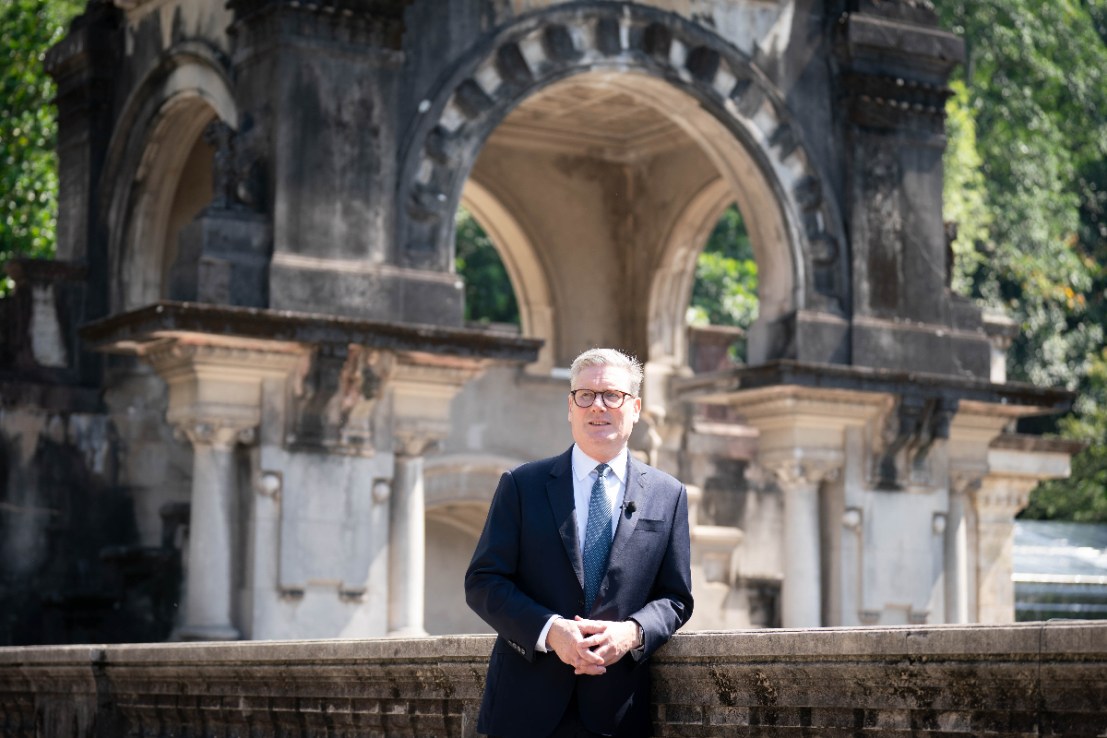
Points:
x=582, y=570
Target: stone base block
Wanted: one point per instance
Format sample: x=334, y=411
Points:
x=915, y=347
x=359, y=290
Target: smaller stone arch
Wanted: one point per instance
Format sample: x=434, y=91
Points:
x=458, y=490
x=161, y=122
x=524, y=269
x=671, y=291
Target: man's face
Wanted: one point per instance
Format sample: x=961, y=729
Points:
x=601, y=431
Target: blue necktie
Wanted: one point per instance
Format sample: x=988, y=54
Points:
x=597, y=538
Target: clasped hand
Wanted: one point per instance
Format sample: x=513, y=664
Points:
x=590, y=646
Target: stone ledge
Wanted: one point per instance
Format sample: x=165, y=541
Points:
x=121, y=333
x=1026, y=679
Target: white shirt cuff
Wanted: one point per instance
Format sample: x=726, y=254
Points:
x=541, y=645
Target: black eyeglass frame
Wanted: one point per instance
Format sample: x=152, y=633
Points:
x=610, y=405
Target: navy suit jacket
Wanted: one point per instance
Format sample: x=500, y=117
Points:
x=527, y=567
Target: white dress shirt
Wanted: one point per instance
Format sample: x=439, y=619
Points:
x=584, y=476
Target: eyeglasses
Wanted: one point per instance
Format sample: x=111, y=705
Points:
x=612, y=399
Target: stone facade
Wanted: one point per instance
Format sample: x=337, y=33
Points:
x=1025, y=680
x=242, y=403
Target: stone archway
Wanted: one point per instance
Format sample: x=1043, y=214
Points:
x=459, y=489
x=156, y=185
x=714, y=93
x=523, y=266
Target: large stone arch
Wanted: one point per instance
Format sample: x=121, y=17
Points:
x=160, y=124
x=657, y=53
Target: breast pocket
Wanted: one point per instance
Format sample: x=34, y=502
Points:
x=652, y=526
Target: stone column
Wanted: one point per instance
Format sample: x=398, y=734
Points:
x=418, y=389
x=998, y=500
x=407, y=533
x=215, y=394
x=801, y=589
x=209, y=584
x=957, y=584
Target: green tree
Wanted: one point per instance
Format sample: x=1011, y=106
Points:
x=28, y=127
x=1026, y=179
x=489, y=297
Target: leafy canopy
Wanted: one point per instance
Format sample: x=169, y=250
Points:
x=1026, y=181
x=28, y=127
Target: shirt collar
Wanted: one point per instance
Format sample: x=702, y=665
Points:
x=583, y=464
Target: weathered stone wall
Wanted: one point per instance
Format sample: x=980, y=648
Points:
x=88, y=514
x=1024, y=680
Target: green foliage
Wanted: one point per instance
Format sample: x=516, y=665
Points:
x=489, y=297
x=28, y=127
x=1026, y=179
x=725, y=288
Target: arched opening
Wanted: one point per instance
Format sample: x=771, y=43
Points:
x=724, y=301
x=521, y=264
x=576, y=120
x=619, y=179
x=192, y=194
x=489, y=297
x=458, y=492
x=172, y=185
x=161, y=184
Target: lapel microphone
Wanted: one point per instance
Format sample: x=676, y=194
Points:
x=630, y=507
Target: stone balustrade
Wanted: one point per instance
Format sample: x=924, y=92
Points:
x=1020, y=680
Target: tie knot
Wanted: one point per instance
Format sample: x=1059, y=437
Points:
x=601, y=470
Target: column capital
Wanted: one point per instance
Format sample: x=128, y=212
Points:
x=966, y=481
x=1002, y=497
x=216, y=432
x=415, y=442
x=798, y=470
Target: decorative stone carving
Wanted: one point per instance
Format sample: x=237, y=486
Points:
x=215, y=432
x=238, y=179
x=335, y=401
x=909, y=433
x=378, y=24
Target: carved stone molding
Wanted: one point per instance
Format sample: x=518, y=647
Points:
x=966, y=481
x=1002, y=498
x=799, y=471
x=378, y=24
x=909, y=433
x=238, y=168
x=336, y=396
x=411, y=442
x=218, y=433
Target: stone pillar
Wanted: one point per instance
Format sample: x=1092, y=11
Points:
x=894, y=63
x=407, y=532
x=998, y=500
x=209, y=612
x=1016, y=464
x=958, y=582
x=215, y=394
x=418, y=389
x=802, y=587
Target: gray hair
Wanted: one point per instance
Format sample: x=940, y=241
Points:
x=608, y=357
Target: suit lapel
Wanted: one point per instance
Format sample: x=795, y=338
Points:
x=559, y=489
x=636, y=478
